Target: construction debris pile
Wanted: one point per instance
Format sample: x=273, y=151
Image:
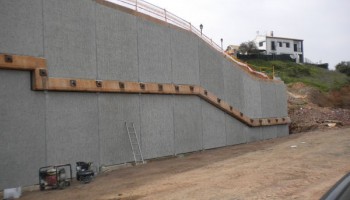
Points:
x=310, y=109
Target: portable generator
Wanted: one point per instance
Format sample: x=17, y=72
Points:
x=55, y=176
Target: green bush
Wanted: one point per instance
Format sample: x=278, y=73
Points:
x=343, y=67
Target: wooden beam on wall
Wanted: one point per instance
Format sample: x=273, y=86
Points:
x=42, y=82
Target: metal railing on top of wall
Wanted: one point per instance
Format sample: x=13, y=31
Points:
x=166, y=16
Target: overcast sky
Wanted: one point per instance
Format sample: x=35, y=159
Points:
x=324, y=25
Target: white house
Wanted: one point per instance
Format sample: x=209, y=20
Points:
x=272, y=45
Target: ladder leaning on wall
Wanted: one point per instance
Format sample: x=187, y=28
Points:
x=134, y=142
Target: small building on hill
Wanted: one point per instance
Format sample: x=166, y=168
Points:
x=271, y=45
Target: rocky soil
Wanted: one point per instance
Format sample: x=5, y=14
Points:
x=311, y=109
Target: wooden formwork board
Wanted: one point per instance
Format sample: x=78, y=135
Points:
x=17, y=62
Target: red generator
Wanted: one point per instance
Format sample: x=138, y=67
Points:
x=55, y=176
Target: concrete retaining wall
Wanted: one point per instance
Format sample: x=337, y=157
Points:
x=116, y=45
x=83, y=39
x=22, y=130
x=252, y=96
x=71, y=127
x=154, y=52
x=234, y=131
x=233, y=85
x=114, y=111
x=69, y=30
x=188, y=129
x=157, y=126
x=211, y=69
x=22, y=27
x=184, y=58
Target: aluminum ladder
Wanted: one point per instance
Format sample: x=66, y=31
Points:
x=134, y=142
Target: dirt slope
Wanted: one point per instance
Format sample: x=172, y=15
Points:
x=311, y=109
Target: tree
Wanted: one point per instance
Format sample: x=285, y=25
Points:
x=343, y=67
x=248, y=48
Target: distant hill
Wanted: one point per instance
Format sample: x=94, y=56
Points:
x=290, y=72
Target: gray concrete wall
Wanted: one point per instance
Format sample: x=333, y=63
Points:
x=71, y=128
x=114, y=111
x=70, y=38
x=252, y=134
x=154, y=52
x=282, y=130
x=21, y=29
x=22, y=130
x=157, y=125
x=233, y=85
x=213, y=123
x=184, y=57
x=234, y=131
x=187, y=124
x=268, y=99
x=116, y=43
x=211, y=69
x=86, y=40
x=281, y=102
x=252, y=97
x=268, y=132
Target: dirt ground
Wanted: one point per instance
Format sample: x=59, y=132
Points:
x=300, y=166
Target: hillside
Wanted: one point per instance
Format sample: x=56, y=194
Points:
x=317, y=98
x=290, y=72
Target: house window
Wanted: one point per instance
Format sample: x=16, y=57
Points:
x=280, y=44
x=295, y=47
x=261, y=44
x=273, y=47
x=287, y=44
